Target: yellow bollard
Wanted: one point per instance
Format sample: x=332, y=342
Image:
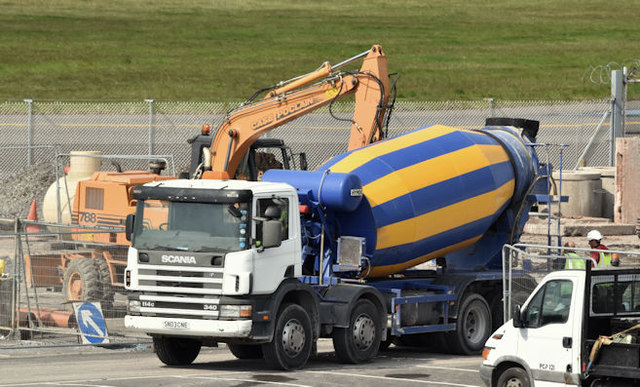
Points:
x=1, y=266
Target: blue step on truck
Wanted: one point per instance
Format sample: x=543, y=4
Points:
x=397, y=241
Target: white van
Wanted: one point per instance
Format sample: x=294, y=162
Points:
x=550, y=339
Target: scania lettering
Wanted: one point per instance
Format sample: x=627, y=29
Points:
x=178, y=259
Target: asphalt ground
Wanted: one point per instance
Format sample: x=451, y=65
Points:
x=138, y=365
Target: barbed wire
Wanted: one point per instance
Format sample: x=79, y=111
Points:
x=601, y=74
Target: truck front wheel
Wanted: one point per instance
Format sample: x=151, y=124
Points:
x=292, y=339
x=174, y=351
x=513, y=377
x=361, y=340
x=473, y=326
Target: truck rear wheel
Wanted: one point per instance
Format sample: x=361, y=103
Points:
x=246, y=351
x=514, y=377
x=361, y=340
x=174, y=351
x=81, y=281
x=473, y=327
x=292, y=339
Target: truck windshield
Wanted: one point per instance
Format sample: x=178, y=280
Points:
x=167, y=225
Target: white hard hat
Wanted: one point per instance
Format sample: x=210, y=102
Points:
x=594, y=235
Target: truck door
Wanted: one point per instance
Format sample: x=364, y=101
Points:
x=546, y=342
x=271, y=265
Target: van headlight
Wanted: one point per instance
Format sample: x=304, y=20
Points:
x=235, y=311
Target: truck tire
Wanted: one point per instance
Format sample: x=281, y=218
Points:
x=361, y=340
x=292, y=339
x=246, y=351
x=174, y=351
x=473, y=326
x=108, y=292
x=81, y=281
x=513, y=377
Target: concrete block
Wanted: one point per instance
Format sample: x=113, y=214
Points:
x=584, y=190
x=608, y=179
x=627, y=205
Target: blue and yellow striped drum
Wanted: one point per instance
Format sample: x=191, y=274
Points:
x=429, y=192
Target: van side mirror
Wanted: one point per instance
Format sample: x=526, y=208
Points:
x=517, y=318
x=131, y=219
x=271, y=233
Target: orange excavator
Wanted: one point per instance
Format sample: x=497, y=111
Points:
x=233, y=151
x=296, y=97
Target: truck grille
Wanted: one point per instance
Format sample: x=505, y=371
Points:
x=190, y=280
x=182, y=306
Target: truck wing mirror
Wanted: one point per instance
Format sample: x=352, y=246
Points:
x=131, y=218
x=517, y=318
x=271, y=233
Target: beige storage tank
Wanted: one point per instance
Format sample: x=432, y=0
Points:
x=585, y=192
x=81, y=166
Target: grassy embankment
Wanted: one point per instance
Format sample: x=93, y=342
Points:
x=214, y=50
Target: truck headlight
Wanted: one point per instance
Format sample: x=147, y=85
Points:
x=235, y=311
x=134, y=306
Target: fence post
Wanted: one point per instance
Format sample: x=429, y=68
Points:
x=29, y=132
x=150, y=102
x=491, y=107
x=617, y=111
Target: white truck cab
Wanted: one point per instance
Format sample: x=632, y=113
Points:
x=549, y=340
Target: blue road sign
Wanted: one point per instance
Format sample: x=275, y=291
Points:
x=91, y=323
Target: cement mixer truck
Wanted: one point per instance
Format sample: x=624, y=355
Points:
x=342, y=252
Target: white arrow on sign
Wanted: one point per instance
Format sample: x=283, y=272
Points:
x=88, y=320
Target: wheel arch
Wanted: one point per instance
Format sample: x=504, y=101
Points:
x=344, y=298
x=295, y=292
x=506, y=362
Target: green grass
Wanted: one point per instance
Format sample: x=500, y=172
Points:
x=224, y=50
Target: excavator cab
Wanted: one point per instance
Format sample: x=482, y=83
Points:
x=264, y=154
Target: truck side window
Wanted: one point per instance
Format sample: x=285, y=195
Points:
x=551, y=304
x=283, y=205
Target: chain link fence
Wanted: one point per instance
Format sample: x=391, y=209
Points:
x=28, y=129
x=40, y=284
x=50, y=271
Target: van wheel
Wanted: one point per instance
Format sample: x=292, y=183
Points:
x=514, y=377
x=245, y=351
x=292, y=339
x=473, y=326
x=174, y=351
x=361, y=340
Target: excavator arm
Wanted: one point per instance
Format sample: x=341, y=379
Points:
x=302, y=95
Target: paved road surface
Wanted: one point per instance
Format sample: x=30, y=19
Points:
x=72, y=366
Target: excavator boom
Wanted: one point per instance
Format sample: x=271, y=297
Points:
x=300, y=96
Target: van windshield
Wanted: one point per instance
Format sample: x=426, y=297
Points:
x=191, y=226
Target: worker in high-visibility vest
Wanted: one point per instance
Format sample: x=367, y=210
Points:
x=603, y=259
x=572, y=260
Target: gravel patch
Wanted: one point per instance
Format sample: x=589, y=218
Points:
x=20, y=188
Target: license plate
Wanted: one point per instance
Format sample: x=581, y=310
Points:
x=176, y=324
